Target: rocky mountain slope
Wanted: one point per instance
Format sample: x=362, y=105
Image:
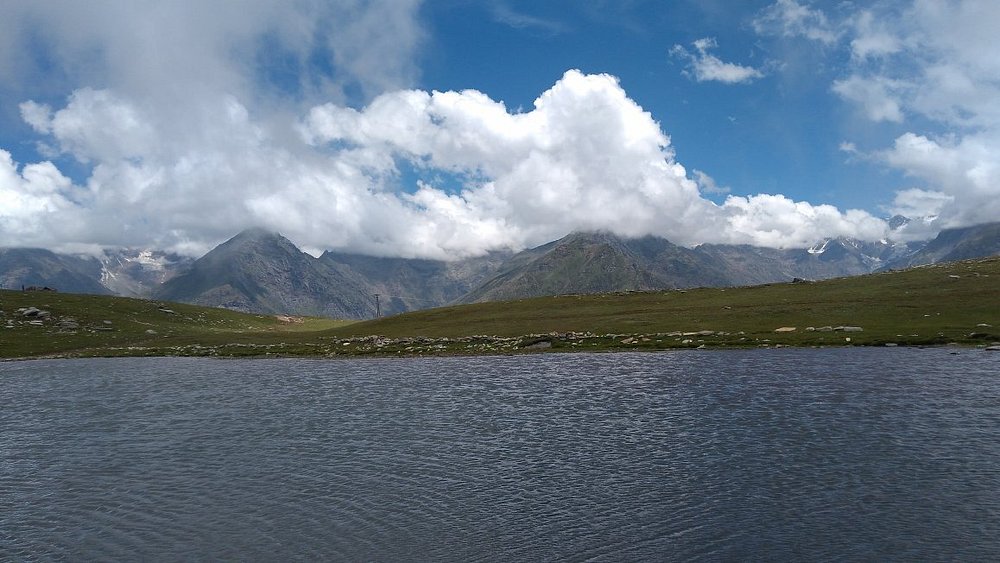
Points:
x=264, y=272
x=405, y=284
x=954, y=244
x=139, y=273
x=597, y=262
x=27, y=267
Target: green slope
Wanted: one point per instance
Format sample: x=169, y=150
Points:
x=90, y=325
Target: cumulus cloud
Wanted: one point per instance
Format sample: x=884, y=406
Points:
x=30, y=195
x=706, y=67
x=586, y=157
x=777, y=221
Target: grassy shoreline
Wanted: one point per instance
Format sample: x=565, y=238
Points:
x=952, y=303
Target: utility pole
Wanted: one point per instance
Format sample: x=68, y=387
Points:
x=378, y=310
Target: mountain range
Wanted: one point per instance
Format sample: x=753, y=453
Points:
x=261, y=271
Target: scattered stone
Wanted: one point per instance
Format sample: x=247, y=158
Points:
x=150, y=331
x=849, y=329
x=32, y=312
x=810, y=329
x=786, y=329
x=687, y=341
x=891, y=344
x=106, y=322
x=825, y=329
x=167, y=311
x=705, y=333
x=36, y=323
x=983, y=325
x=539, y=345
x=995, y=348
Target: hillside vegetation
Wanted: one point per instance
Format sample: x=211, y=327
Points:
x=94, y=325
x=940, y=304
x=954, y=302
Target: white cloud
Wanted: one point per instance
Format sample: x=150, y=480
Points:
x=792, y=19
x=919, y=203
x=964, y=172
x=777, y=221
x=707, y=67
x=872, y=38
x=586, y=157
x=938, y=62
x=94, y=126
x=508, y=16
x=707, y=184
x=876, y=96
x=30, y=195
x=178, y=51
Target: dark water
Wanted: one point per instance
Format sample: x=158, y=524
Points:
x=784, y=454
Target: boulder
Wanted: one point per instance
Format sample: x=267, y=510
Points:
x=786, y=329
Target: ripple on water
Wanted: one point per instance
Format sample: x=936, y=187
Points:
x=818, y=454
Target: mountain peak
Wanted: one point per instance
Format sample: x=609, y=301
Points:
x=256, y=233
x=257, y=240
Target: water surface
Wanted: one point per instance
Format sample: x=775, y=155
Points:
x=765, y=454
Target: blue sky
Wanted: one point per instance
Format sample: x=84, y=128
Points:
x=411, y=128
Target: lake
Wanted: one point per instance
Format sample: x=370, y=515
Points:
x=832, y=454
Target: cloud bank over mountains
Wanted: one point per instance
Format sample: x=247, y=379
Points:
x=586, y=157
x=186, y=135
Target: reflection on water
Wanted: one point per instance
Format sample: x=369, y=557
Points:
x=804, y=454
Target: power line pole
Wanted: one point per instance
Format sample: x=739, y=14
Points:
x=378, y=310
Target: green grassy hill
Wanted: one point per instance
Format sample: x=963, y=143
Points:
x=944, y=303
x=932, y=304
x=92, y=325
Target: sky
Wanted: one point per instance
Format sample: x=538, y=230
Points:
x=451, y=128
